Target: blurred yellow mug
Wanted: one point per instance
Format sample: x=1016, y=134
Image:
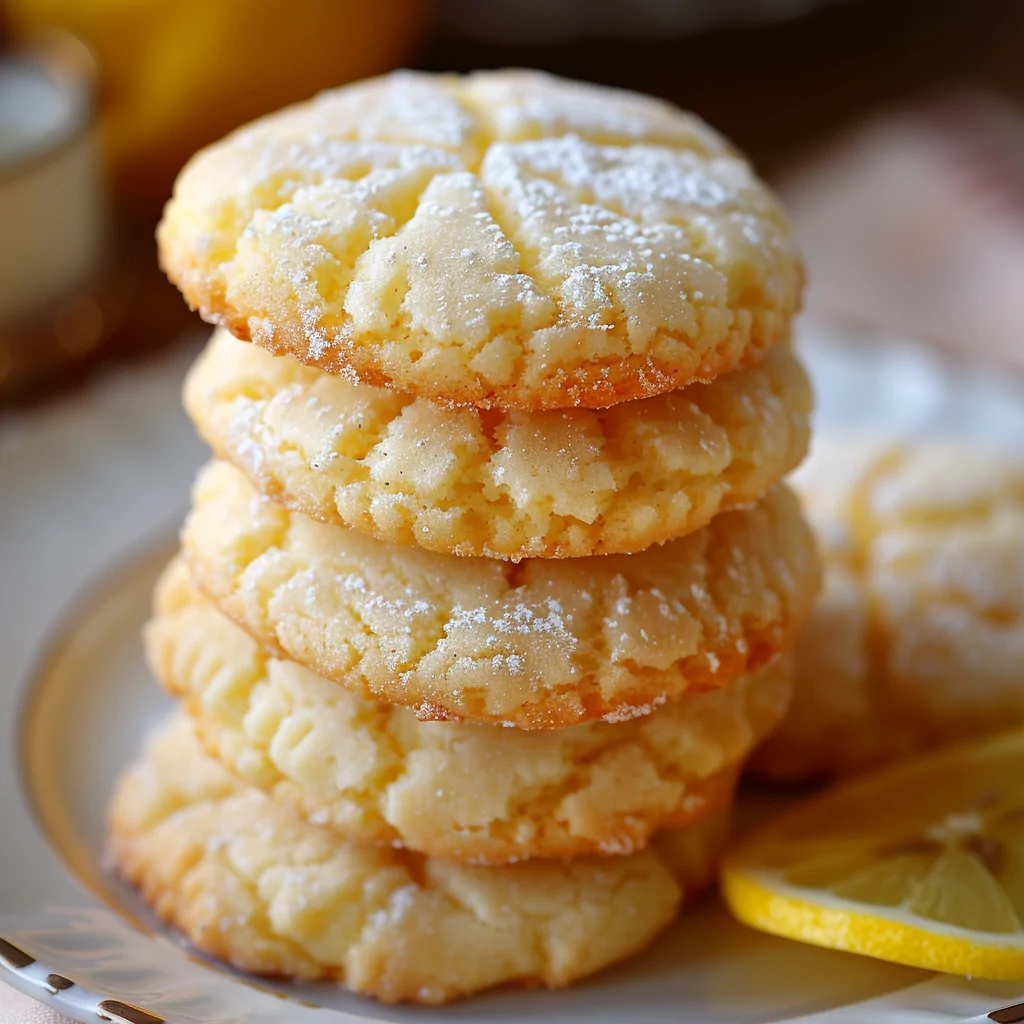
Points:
x=177, y=74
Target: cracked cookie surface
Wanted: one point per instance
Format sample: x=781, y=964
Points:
x=503, y=239
x=542, y=643
x=478, y=793
x=510, y=485
x=252, y=884
x=918, y=636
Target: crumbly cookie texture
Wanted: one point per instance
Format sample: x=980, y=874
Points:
x=512, y=485
x=506, y=239
x=251, y=883
x=918, y=636
x=541, y=644
x=476, y=793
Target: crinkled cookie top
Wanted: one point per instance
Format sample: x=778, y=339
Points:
x=471, y=793
x=505, y=238
x=541, y=644
x=563, y=483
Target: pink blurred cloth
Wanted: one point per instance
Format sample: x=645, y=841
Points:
x=913, y=225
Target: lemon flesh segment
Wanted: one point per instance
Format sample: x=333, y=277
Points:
x=920, y=864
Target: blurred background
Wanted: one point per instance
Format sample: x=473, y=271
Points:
x=894, y=129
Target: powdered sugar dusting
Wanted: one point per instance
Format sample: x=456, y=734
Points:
x=551, y=642
x=627, y=712
x=506, y=237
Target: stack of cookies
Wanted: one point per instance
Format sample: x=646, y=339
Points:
x=486, y=599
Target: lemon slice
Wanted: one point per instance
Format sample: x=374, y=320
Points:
x=920, y=864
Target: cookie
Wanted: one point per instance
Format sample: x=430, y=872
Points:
x=467, y=792
x=508, y=485
x=538, y=644
x=254, y=885
x=918, y=637
x=506, y=239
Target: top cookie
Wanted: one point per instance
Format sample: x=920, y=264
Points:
x=506, y=239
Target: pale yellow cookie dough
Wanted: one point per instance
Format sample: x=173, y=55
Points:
x=918, y=637
x=252, y=884
x=512, y=485
x=468, y=792
x=506, y=239
x=542, y=643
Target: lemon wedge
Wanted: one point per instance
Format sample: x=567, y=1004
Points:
x=920, y=864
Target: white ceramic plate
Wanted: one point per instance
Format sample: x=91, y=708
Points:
x=90, y=495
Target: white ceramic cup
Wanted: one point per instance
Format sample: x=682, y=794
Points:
x=53, y=214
